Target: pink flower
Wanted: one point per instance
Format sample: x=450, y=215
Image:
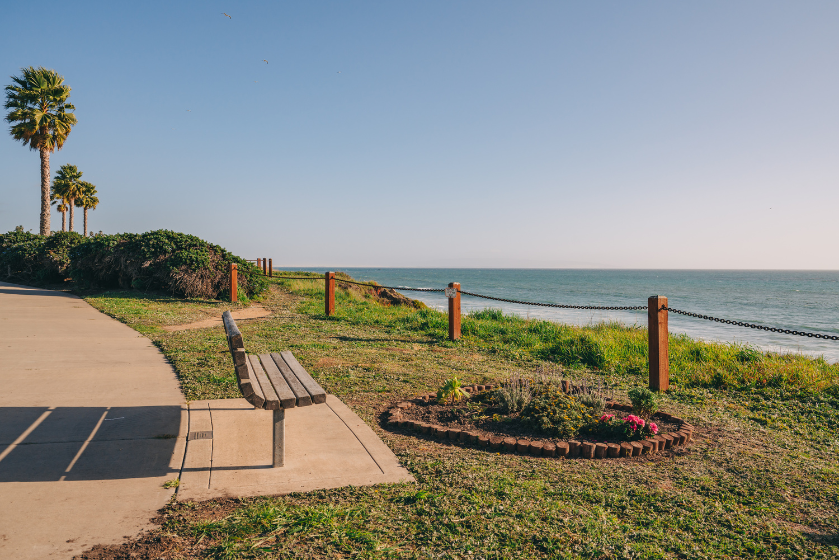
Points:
x=653, y=428
x=606, y=418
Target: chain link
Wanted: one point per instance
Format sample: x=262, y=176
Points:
x=557, y=305
x=750, y=325
x=591, y=307
x=401, y=288
x=363, y=284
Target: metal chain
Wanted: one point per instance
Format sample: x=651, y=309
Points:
x=592, y=307
x=602, y=308
x=363, y=284
x=390, y=287
x=750, y=325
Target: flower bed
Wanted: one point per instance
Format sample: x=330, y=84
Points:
x=616, y=434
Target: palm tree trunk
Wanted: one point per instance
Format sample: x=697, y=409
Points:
x=85, y=233
x=72, y=203
x=45, y=191
x=64, y=221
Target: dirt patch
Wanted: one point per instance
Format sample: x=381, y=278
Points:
x=255, y=312
x=400, y=350
x=328, y=362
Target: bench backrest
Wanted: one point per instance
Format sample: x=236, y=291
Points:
x=270, y=381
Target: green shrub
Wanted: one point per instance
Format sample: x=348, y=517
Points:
x=35, y=259
x=645, y=402
x=555, y=413
x=158, y=260
x=452, y=391
x=514, y=394
x=162, y=260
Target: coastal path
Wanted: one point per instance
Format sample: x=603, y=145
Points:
x=90, y=426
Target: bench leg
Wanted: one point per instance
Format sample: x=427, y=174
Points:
x=279, y=437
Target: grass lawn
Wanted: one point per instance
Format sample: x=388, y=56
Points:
x=761, y=480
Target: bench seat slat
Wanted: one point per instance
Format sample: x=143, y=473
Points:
x=271, y=400
x=284, y=393
x=303, y=398
x=256, y=396
x=319, y=396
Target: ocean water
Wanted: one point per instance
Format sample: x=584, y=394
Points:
x=795, y=300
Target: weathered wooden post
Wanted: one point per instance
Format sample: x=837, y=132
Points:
x=234, y=289
x=329, y=293
x=658, y=343
x=454, y=295
x=265, y=267
x=259, y=263
x=270, y=268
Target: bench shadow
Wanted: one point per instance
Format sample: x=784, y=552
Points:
x=40, y=444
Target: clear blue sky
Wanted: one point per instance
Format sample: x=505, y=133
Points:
x=451, y=134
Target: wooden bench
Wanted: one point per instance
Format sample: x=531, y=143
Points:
x=271, y=382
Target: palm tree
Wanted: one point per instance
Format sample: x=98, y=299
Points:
x=40, y=119
x=62, y=207
x=87, y=200
x=68, y=186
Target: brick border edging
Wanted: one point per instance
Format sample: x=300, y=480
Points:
x=569, y=449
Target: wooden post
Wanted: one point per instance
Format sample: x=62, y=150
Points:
x=329, y=293
x=658, y=343
x=259, y=263
x=279, y=455
x=270, y=268
x=234, y=289
x=265, y=267
x=455, y=312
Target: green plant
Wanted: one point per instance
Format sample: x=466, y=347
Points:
x=593, y=394
x=172, y=483
x=553, y=412
x=645, y=402
x=580, y=348
x=514, y=394
x=452, y=391
x=41, y=118
x=596, y=401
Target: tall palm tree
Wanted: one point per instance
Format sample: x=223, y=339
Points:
x=87, y=200
x=68, y=185
x=40, y=119
x=61, y=207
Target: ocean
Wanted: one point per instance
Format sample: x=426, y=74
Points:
x=794, y=300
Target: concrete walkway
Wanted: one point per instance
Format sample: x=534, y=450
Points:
x=90, y=415
x=93, y=422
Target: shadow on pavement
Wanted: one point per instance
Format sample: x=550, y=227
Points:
x=40, y=444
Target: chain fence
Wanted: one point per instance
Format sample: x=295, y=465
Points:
x=585, y=307
x=750, y=325
x=557, y=305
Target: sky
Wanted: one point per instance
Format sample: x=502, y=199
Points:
x=557, y=134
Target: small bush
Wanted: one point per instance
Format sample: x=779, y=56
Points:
x=555, y=413
x=514, y=394
x=595, y=401
x=645, y=402
x=452, y=391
